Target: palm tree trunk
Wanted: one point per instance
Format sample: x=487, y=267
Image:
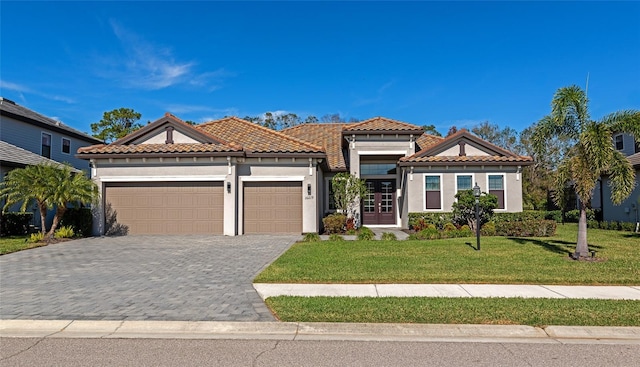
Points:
x=43, y=217
x=582, y=248
x=56, y=220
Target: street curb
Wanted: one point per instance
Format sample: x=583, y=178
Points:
x=110, y=329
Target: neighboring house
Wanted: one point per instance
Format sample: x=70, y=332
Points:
x=28, y=137
x=628, y=210
x=234, y=177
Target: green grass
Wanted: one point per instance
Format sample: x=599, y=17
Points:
x=16, y=243
x=501, y=261
x=499, y=311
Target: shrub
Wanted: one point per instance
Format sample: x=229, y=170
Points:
x=311, y=237
x=351, y=224
x=627, y=226
x=15, y=223
x=464, y=209
x=36, y=237
x=539, y=228
x=437, y=219
x=335, y=237
x=420, y=224
x=465, y=231
x=388, y=236
x=334, y=223
x=449, y=227
x=520, y=217
x=489, y=229
x=365, y=234
x=80, y=219
x=555, y=215
x=573, y=216
x=64, y=232
x=425, y=234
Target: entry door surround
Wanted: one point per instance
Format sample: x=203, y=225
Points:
x=379, y=204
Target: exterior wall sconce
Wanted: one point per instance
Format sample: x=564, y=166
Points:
x=518, y=173
x=228, y=187
x=309, y=189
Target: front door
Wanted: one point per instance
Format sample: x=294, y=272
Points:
x=378, y=205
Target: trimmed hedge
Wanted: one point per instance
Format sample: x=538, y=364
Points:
x=530, y=228
x=15, y=223
x=80, y=219
x=437, y=219
x=334, y=223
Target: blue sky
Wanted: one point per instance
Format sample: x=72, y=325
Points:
x=441, y=63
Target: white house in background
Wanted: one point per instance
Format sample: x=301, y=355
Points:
x=235, y=177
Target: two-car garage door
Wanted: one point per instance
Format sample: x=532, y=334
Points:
x=198, y=207
x=167, y=207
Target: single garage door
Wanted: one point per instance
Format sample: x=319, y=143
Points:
x=272, y=207
x=167, y=207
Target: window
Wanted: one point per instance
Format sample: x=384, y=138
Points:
x=432, y=192
x=619, y=142
x=66, y=145
x=638, y=146
x=496, y=187
x=464, y=182
x=377, y=169
x=46, y=145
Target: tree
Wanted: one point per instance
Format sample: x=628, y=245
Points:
x=506, y=138
x=347, y=191
x=592, y=153
x=431, y=130
x=116, y=124
x=452, y=130
x=464, y=209
x=310, y=120
x=49, y=186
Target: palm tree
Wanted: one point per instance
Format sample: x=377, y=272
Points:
x=592, y=154
x=49, y=186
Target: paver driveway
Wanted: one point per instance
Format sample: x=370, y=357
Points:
x=140, y=278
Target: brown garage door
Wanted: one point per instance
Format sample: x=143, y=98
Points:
x=272, y=207
x=168, y=207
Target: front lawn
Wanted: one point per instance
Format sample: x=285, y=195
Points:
x=501, y=261
x=16, y=243
x=497, y=311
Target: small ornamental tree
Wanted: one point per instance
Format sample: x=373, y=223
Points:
x=464, y=209
x=347, y=191
x=49, y=186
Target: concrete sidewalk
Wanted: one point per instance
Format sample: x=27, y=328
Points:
x=316, y=331
x=266, y=290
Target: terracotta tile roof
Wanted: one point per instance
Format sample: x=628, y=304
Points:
x=328, y=135
x=255, y=138
x=467, y=159
x=426, y=140
x=157, y=148
x=381, y=124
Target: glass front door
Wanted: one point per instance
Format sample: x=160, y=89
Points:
x=378, y=205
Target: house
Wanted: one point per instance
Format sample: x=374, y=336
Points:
x=235, y=177
x=27, y=137
x=628, y=210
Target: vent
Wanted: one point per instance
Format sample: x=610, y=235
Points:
x=7, y=100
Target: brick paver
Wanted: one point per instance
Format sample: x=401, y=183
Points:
x=140, y=278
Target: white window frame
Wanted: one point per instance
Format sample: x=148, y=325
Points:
x=42, y=133
x=473, y=179
x=621, y=136
x=62, y=145
x=504, y=188
x=424, y=192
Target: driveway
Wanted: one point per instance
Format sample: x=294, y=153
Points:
x=140, y=278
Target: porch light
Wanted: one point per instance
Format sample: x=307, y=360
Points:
x=476, y=193
x=309, y=189
x=228, y=187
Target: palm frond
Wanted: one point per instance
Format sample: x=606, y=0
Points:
x=622, y=178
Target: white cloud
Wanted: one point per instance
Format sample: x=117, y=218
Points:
x=23, y=89
x=151, y=67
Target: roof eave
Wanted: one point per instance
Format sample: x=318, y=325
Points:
x=469, y=163
x=159, y=155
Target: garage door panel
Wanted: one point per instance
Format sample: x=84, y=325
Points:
x=169, y=207
x=272, y=207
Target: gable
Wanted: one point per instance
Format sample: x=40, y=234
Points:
x=463, y=147
x=163, y=134
x=168, y=130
